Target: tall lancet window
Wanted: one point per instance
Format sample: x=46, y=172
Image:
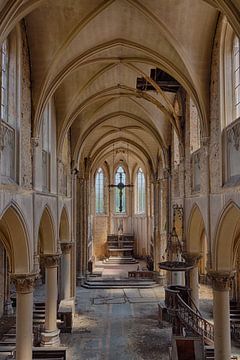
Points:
x=99, y=191
x=120, y=190
x=236, y=77
x=4, y=80
x=140, y=192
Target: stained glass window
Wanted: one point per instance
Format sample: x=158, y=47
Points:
x=120, y=191
x=99, y=191
x=140, y=190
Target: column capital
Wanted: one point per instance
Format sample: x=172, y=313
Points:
x=221, y=279
x=191, y=258
x=66, y=246
x=51, y=260
x=24, y=283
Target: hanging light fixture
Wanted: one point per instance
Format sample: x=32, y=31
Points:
x=174, y=249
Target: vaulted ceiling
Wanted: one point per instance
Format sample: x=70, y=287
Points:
x=89, y=54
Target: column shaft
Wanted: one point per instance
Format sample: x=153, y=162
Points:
x=66, y=269
x=24, y=326
x=51, y=298
x=50, y=336
x=221, y=311
x=194, y=285
x=24, y=287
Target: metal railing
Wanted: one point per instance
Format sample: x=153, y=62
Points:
x=178, y=303
x=195, y=321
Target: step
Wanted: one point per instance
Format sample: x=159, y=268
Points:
x=120, y=261
x=7, y=349
x=209, y=352
x=118, y=284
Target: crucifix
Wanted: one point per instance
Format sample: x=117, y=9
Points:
x=120, y=186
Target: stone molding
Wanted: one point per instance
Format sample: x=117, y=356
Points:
x=66, y=246
x=51, y=260
x=34, y=142
x=205, y=141
x=221, y=279
x=24, y=283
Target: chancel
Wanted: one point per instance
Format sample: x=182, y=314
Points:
x=120, y=179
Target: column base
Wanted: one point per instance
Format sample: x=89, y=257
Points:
x=50, y=338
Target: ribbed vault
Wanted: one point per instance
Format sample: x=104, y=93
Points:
x=88, y=56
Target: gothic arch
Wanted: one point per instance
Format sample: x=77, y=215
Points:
x=227, y=235
x=64, y=228
x=46, y=233
x=195, y=230
x=14, y=236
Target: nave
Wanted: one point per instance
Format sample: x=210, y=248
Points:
x=119, y=144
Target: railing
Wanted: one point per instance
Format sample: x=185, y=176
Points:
x=178, y=302
x=193, y=320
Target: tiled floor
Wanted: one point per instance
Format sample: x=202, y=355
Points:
x=118, y=324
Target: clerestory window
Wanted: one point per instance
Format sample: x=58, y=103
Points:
x=4, y=80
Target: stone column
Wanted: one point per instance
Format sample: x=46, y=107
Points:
x=221, y=314
x=192, y=260
x=66, y=269
x=24, y=287
x=50, y=336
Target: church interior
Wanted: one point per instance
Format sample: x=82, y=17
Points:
x=120, y=179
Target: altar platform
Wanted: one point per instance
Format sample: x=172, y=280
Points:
x=120, y=249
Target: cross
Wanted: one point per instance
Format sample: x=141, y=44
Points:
x=120, y=186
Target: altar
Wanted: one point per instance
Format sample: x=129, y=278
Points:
x=120, y=248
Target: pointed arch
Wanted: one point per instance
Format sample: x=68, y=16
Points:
x=227, y=238
x=46, y=233
x=14, y=235
x=64, y=227
x=195, y=230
